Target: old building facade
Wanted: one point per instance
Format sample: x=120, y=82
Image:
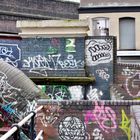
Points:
x=115, y=18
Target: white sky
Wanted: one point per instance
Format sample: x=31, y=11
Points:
x=72, y=0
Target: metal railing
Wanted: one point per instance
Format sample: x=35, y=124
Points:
x=15, y=130
x=39, y=136
x=135, y=122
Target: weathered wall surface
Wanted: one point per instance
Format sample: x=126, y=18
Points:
x=94, y=3
x=45, y=57
x=73, y=57
x=65, y=92
x=39, y=9
x=14, y=10
x=8, y=26
x=71, y=120
x=127, y=83
x=10, y=51
x=65, y=57
x=53, y=57
x=100, y=60
x=85, y=120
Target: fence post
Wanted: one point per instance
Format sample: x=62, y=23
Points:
x=32, y=125
x=16, y=135
x=15, y=130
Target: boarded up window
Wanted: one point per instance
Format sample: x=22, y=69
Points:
x=127, y=33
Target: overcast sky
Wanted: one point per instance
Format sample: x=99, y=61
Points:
x=72, y=0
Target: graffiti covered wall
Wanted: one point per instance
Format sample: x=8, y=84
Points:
x=65, y=92
x=99, y=63
x=53, y=56
x=127, y=83
x=10, y=51
x=18, y=95
x=67, y=57
x=85, y=120
x=100, y=60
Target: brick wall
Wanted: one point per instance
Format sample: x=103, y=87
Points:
x=55, y=57
x=34, y=10
x=85, y=120
x=39, y=9
x=127, y=83
x=8, y=26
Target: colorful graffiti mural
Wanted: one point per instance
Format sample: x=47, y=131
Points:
x=63, y=92
x=67, y=57
x=17, y=98
x=85, y=120
x=66, y=120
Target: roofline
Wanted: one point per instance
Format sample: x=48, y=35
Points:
x=67, y=1
x=108, y=9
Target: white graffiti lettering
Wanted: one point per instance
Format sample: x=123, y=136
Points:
x=132, y=85
x=7, y=53
x=76, y=92
x=129, y=72
x=5, y=87
x=39, y=64
x=97, y=135
x=8, y=60
x=70, y=63
x=49, y=114
x=61, y=92
x=6, y=95
x=94, y=94
x=58, y=96
x=98, y=51
x=103, y=74
x=31, y=106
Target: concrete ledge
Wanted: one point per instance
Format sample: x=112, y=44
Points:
x=88, y=103
x=53, y=28
x=63, y=80
x=52, y=23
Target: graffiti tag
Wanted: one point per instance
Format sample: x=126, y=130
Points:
x=103, y=74
x=97, y=135
x=125, y=125
x=49, y=115
x=104, y=116
x=94, y=94
x=10, y=53
x=72, y=128
x=98, y=52
x=133, y=85
x=40, y=64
